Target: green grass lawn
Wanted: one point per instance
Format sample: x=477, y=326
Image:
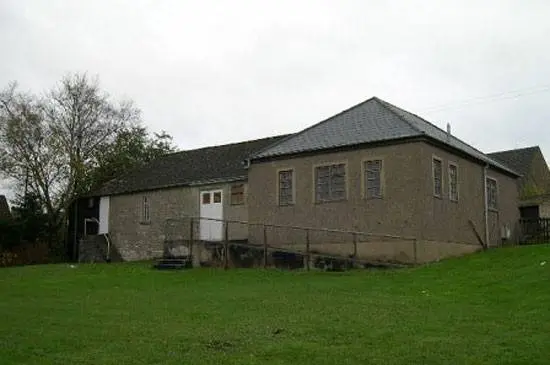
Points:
x=489, y=308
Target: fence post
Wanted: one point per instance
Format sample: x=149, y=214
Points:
x=191, y=241
x=415, y=251
x=226, y=248
x=307, y=250
x=265, y=247
x=354, y=245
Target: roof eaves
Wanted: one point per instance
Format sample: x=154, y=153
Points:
x=168, y=186
x=340, y=147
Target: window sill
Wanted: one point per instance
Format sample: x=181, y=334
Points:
x=285, y=204
x=438, y=197
x=330, y=201
x=494, y=210
x=453, y=200
x=374, y=198
x=145, y=223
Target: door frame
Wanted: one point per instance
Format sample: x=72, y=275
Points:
x=211, y=224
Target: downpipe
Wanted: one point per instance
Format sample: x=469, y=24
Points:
x=486, y=205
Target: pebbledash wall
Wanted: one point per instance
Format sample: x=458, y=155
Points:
x=138, y=240
x=408, y=207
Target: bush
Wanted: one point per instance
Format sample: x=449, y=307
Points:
x=7, y=259
x=10, y=234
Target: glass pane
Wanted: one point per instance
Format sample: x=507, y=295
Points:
x=217, y=197
x=206, y=198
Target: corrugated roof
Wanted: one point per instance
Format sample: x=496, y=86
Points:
x=203, y=165
x=373, y=120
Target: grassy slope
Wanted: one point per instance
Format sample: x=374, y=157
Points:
x=490, y=308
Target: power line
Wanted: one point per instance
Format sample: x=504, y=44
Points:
x=514, y=94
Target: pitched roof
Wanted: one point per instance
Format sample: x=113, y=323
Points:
x=373, y=120
x=190, y=167
x=4, y=208
x=518, y=159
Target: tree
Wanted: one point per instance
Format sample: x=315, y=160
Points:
x=53, y=143
x=132, y=147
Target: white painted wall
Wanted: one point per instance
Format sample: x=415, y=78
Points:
x=104, y=203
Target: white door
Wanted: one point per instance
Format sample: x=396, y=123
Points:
x=103, y=215
x=211, y=213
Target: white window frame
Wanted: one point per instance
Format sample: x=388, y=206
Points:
x=145, y=210
x=489, y=206
x=292, y=186
x=440, y=160
x=233, y=194
x=331, y=166
x=380, y=178
x=451, y=197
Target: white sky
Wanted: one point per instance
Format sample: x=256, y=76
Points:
x=211, y=72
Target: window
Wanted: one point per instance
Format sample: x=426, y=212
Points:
x=373, y=179
x=217, y=197
x=286, y=188
x=437, y=169
x=237, y=194
x=492, y=198
x=453, y=182
x=205, y=198
x=90, y=203
x=330, y=183
x=145, y=210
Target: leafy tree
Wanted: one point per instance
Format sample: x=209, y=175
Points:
x=31, y=218
x=132, y=147
x=29, y=223
x=65, y=141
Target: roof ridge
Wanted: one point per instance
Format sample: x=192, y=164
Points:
x=386, y=105
x=534, y=147
x=435, y=126
x=285, y=135
x=314, y=125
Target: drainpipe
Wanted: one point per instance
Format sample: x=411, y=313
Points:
x=75, y=228
x=486, y=205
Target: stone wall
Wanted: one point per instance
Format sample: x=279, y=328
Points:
x=169, y=212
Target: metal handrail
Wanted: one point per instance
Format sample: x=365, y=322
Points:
x=331, y=230
x=86, y=220
x=108, y=239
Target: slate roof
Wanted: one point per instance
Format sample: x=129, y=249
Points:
x=373, y=120
x=190, y=167
x=4, y=208
x=518, y=159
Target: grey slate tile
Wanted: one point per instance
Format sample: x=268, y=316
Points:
x=373, y=120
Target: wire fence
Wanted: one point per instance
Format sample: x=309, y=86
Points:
x=233, y=243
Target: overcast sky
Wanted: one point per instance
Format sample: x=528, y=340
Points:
x=211, y=72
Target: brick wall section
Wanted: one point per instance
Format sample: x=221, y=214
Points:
x=136, y=240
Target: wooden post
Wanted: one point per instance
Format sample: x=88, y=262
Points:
x=191, y=239
x=307, y=249
x=415, y=251
x=354, y=245
x=265, y=247
x=226, y=248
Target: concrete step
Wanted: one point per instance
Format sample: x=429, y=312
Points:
x=173, y=264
